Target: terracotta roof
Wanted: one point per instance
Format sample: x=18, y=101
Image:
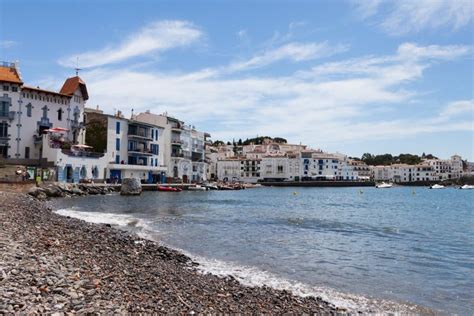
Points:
x=45, y=91
x=72, y=84
x=9, y=74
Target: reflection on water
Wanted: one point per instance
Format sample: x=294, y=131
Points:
x=388, y=244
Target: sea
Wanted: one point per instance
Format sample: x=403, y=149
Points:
x=401, y=250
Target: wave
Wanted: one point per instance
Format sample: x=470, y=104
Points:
x=251, y=276
x=122, y=220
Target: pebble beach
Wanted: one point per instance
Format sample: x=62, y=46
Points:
x=55, y=264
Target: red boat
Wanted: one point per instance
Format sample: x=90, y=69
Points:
x=168, y=189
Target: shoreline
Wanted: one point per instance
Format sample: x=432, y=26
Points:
x=51, y=263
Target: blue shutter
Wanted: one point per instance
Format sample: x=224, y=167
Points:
x=117, y=159
x=117, y=127
x=117, y=144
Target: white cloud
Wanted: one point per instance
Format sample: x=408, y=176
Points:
x=330, y=103
x=400, y=17
x=459, y=107
x=295, y=52
x=7, y=44
x=154, y=38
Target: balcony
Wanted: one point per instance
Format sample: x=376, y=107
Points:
x=140, y=151
x=177, y=155
x=86, y=154
x=176, y=142
x=140, y=135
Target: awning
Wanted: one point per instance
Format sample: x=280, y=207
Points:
x=81, y=146
x=57, y=130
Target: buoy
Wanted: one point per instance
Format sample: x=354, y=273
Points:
x=295, y=193
x=360, y=191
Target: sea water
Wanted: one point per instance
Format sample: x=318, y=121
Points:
x=400, y=249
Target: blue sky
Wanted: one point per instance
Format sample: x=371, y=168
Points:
x=349, y=76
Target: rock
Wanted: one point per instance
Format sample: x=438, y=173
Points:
x=131, y=186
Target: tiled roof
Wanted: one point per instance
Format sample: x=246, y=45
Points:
x=9, y=74
x=72, y=84
x=45, y=91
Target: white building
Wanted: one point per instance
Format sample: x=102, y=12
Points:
x=184, y=147
x=133, y=148
x=26, y=112
x=43, y=128
x=447, y=169
x=229, y=170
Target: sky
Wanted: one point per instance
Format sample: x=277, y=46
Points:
x=378, y=76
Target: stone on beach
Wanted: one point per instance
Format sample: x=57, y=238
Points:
x=131, y=186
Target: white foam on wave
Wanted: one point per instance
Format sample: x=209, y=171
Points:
x=103, y=218
x=251, y=276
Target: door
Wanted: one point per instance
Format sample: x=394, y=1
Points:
x=115, y=176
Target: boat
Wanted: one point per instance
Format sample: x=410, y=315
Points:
x=211, y=186
x=437, y=186
x=383, y=185
x=197, y=188
x=467, y=187
x=168, y=189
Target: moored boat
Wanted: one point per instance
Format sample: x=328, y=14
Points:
x=383, y=185
x=467, y=187
x=197, y=188
x=437, y=186
x=168, y=189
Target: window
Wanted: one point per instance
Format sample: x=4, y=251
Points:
x=4, y=108
x=45, y=111
x=3, y=129
x=156, y=135
x=117, y=144
x=6, y=88
x=117, y=159
x=156, y=162
x=14, y=89
x=28, y=109
x=117, y=127
x=60, y=114
x=27, y=152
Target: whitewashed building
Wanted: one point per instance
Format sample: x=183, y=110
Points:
x=133, y=148
x=184, y=147
x=44, y=128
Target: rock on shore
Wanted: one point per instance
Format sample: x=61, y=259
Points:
x=50, y=263
x=55, y=189
x=131, y=186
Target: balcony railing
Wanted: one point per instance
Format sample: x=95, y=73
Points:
x=86, y=154
x=177, y=155
x=140, y=134
x=144, y=151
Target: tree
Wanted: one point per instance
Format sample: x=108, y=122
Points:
x=279, y=140
x=218, y=143
x=240, y=142
x=96, y=136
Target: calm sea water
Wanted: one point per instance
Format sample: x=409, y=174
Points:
x=399, y=249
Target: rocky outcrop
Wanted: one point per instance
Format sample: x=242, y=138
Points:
x=131, y=186
x=49, y=190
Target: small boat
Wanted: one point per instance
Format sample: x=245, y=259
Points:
x=383, y=185
x=211, y=187
x=437, y=186
x=168, y=189
x=467, y=187
x=197, y=188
